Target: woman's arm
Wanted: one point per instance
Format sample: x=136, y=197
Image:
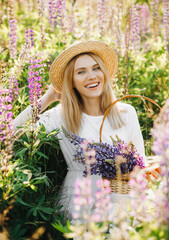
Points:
x=49, y=97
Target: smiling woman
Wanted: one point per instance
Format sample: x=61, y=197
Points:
x=81, y=79
x=83, y=70
x=88, y=78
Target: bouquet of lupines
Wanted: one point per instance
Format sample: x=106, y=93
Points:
x=108, y=157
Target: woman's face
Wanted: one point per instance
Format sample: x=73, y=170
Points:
x=88, y=78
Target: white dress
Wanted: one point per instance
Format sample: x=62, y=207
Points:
x=90, y=130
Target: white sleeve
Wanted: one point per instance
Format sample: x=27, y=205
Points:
x=45, y=120
x=135, y=133
x=51, y=119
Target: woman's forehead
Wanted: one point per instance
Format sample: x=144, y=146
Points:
x=84, y=60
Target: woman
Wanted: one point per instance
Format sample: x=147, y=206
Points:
x=81, y=76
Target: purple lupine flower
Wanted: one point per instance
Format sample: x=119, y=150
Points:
x=62, y=13
x=6, y=130
x=135, y=27
x=29, y=38
x=101, y=14
x=64, y=8
x=14, y=89
x=41, y=10
x=59, y=6
x=155, y=16
x=106, y=154
x=5, y=115
x=144, y=17
x=53, y=13
x=13, y=38
x=35, y=75
x=71, y=20
x=166, y=24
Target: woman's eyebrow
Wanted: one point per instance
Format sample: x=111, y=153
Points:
x=85, y=67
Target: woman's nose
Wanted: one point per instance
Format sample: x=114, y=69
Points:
x=91, y=75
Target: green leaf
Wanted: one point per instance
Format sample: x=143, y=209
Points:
x=21, y=152
x=29, y=212
x=17, y=231
x=43, y=216
x=54, y=132
x=35, y=212
x=57, y=225
x=47, y=210
x=42, y=155
x=41, y=200
x=23, y=203
x=62, y=228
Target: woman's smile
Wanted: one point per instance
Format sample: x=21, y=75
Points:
x=92, y=85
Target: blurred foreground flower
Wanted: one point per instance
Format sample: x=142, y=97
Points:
x=161, y=148
x=150, y=201
x=93, y=218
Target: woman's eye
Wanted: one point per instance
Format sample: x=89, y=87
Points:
x=96, y=68
x=81, y=72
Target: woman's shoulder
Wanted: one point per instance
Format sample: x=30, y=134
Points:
x=51, y=115
x=125, y=107
x=53, y=112
x=128, y=113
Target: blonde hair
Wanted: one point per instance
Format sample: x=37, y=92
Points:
x=72, y=103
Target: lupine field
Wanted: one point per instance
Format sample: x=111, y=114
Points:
x=32, y=167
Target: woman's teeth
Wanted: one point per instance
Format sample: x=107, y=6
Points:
x=92, y=85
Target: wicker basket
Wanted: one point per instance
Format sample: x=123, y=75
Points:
x=120, y=184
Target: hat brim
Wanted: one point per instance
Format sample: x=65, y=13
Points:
x=105, y=52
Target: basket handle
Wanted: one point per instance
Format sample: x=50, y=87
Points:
x=127, y=96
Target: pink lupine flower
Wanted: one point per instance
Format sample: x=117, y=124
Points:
x=103, y=205
x=83, y=200
x=89, y=208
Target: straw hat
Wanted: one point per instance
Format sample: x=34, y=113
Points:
x=106, y=53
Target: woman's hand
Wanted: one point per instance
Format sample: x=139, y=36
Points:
x=49, y=97
x=52, y=94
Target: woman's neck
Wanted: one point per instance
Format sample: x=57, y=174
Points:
x=92, y=107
